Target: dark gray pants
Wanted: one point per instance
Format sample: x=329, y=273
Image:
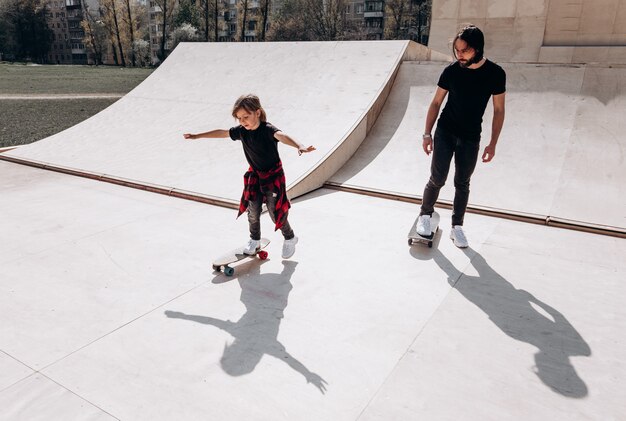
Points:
x=465, y=153
x=254, y=216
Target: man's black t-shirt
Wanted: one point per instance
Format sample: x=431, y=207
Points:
x=468, y=94
x=260, y=146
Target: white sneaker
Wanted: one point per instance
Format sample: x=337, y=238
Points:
x=423, y=226
x=252, y=247
x=289, y=247
x=458, y=236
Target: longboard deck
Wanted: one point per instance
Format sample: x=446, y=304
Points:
x=236, y=255
x=414, y=237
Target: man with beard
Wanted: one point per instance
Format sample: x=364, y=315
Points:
x=471, y=80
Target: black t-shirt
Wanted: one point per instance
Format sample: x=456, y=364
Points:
x=260, y=146
x=469, y=91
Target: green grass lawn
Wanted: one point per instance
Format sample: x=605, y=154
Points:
x=25, y=121
x=59, y=79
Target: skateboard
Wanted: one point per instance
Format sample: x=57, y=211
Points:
x=414, y=237
x=224, y=262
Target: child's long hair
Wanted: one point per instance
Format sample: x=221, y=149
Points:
x=251, y=103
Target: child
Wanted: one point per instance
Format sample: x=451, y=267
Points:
x=265, y=180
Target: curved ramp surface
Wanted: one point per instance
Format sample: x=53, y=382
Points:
x=560, y=154
x=318, y=92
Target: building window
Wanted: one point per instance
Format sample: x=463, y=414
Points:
x=359, y=9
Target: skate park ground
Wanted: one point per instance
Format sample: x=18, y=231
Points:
x=110, y=309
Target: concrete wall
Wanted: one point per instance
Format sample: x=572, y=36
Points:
x=545, y=31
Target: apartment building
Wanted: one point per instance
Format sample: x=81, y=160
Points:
x=230, y=19
x=64, y=19
x=368, y=16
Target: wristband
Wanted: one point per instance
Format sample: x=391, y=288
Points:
x=426, y=136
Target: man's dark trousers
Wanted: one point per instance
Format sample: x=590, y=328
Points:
x=465, y=152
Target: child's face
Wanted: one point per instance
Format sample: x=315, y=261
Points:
x=249, y=120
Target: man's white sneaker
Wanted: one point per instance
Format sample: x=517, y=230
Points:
x=423, y=226
x=289, y=247
x=458, y=236
x=252, y=247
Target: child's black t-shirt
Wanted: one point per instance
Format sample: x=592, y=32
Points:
x=260, y=146
x=469, y=91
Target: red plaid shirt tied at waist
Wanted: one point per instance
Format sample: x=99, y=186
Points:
x=262, y=182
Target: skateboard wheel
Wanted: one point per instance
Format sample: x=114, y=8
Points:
x=430, y=244
x=410, y=242
x=262, y=255
x=217, y=268
x=228, y=271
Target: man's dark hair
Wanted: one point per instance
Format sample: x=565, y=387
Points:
x=474, y=38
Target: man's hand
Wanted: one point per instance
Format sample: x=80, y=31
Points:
x=427, y=145
x=189, y=136
x=303, y=149
x=489, y=153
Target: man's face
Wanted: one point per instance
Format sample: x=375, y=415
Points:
x=464, y=53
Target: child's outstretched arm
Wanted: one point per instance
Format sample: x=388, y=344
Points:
x=287, y=140
x=212, y=134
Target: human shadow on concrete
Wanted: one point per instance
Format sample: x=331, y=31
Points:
x=255, y=334
x=512, y=311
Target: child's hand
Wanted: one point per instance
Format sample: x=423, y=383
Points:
x=189, y=136
x=305, y=150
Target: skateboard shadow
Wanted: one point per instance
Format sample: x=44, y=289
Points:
x=514, y=312
x=421, y=251
x=255, y=334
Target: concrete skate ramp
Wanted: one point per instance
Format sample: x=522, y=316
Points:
x=560, y=154
x=323, y=94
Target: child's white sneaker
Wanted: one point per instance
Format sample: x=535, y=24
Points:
x=289, y=247
x=252, y=247
x=458, y=236
x=423, y=226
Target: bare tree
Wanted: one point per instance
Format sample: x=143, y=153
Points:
x=113, y=26
x=407, y=19
x=93, y=33
x=167, y=10
x=421, y=10
x=131, y=28
x=288, y=23
x=327, y=18
x=396, y=12
x=242, y=8
x=210, y=12
x=216, y=12
x=24, y=33
x=265, y=12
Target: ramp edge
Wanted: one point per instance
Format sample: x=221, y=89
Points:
x=530, y=218
x=152, y=188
